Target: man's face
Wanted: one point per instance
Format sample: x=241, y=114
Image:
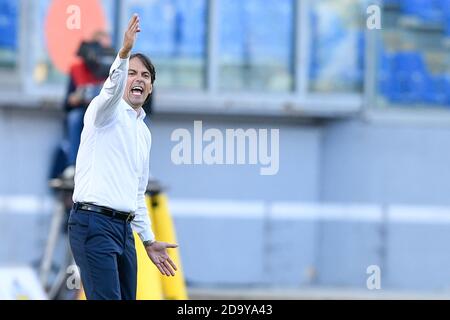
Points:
x=139, y=84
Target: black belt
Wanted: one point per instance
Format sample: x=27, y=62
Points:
x=126, y=216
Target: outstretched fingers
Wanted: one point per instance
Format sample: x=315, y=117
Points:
x=161, y=269
x=133, y=26
x=168, y=268
x=165, y=267
x=169, y=271
x=171, y=264
x=133, y=20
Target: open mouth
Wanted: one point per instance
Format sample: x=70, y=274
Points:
x=137, y=91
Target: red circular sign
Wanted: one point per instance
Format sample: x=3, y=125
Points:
x=68, y=22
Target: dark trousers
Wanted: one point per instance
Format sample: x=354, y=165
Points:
x=103, y=248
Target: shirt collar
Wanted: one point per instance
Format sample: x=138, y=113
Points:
x=129, y=108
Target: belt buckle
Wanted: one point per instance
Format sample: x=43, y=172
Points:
x=130, y=217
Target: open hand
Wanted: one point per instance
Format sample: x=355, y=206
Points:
x=158, y=254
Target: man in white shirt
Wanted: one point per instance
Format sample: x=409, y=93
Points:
x=111, y=176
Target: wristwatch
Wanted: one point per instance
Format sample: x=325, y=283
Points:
x=148, y=243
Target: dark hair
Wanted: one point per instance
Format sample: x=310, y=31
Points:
x=147, y=63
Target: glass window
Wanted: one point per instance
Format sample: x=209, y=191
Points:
x=44, y=70
x=173, y=34
x=256, y=45
x=109, y=8
x=412, y=57
x=336, y=53
x=9, y=27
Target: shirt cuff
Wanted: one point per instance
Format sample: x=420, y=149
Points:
x=146, y=235
x=119, y=63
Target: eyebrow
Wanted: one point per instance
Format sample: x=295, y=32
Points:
x=143, y=72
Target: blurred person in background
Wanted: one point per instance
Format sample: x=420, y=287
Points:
x=111, y=176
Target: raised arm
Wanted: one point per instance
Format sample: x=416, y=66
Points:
x=130, y=37
x=105, y=104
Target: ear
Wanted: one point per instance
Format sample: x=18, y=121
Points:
x=151, y=89
x=149, y=94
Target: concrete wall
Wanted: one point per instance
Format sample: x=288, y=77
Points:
x=27, y=141
x=297, y=178
x=385, y=163
x=330, y=212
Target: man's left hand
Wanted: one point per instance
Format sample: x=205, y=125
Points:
x=158, y=254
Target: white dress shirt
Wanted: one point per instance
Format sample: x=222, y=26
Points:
x=112, y=166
